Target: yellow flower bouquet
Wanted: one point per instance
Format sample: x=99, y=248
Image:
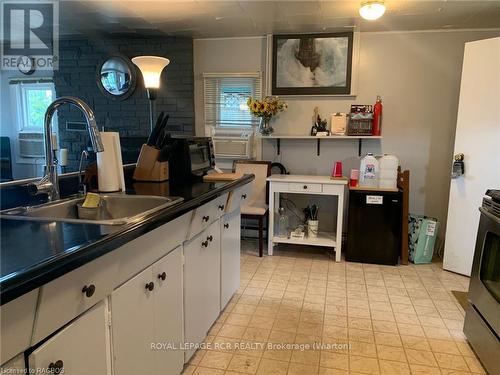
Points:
x=265, y=109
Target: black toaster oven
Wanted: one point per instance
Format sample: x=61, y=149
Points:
x=190, y=157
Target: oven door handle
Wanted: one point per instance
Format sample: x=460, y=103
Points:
x=490, y=215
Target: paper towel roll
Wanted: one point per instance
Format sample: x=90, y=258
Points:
x=63, y=157
x=109, y=164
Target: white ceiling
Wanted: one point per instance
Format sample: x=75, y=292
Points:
x=228, y=18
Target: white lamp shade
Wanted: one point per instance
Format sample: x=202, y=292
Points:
x=151, y=68
x=372, y=10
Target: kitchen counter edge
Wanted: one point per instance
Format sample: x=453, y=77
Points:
x=29, y=279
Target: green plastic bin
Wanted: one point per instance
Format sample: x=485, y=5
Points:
x=422, y=235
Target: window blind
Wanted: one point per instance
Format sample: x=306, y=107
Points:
x=226, y=95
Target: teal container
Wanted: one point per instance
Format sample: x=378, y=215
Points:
x=422, y=235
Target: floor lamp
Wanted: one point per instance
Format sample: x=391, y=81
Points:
x=151, y=68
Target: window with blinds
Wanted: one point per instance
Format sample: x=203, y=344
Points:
x=226, y=96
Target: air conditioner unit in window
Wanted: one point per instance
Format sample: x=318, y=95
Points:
x=31, y=145
x=233, y=145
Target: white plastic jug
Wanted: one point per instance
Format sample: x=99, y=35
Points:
x=388, y=178
x=369, y=171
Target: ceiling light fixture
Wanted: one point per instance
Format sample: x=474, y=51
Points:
x=372, y=10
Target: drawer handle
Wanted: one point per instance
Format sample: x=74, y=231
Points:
x=88, y=290
x=204, y=244
x=206, y=218
x=221, y=207
x=226, y=225
x=210, y=238
x=150, y=286
x=162, y=276
x=57, y=367
x=305, y=186
x=243, y=196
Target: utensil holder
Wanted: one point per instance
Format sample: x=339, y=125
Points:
x=148, y=167
x=312, y=228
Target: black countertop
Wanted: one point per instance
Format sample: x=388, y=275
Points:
x=32, y=253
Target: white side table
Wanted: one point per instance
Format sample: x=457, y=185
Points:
x=302, y=184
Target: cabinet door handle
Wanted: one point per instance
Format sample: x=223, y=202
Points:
x=305, y=186
x=150, y=286
x=204, y=244
x=243, y=196
x=56, y=368
x=226, y=225
x=162, y=276
x=206, y=218
x=210, y=238
x=221, y=207
x=88, y=290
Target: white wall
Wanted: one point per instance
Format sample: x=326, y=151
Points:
x=228, y=55
x=416, y=73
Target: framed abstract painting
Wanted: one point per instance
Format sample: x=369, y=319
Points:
x=312, y=64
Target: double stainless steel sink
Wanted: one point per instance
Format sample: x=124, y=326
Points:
x=114, y=209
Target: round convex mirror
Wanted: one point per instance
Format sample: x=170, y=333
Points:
x=116, y=77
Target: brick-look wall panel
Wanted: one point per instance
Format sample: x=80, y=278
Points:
x=76, y=76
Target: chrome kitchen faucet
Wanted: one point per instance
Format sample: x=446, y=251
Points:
x=49, y=184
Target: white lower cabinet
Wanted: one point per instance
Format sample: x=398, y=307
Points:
x=141, y=327
x=81, y=348
x=147, y=311
x=132, y=326
x=201, y=285
x=229, y=256
x=168, y=313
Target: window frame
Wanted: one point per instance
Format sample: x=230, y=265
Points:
x=257, y=76
x=23, y=108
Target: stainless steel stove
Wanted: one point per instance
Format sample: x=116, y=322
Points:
x=482, y=319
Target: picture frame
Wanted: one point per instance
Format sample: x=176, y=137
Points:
x=312, y=64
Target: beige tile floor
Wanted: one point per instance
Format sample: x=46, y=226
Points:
x=370, y=319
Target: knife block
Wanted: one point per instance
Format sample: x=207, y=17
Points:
x=148, y=167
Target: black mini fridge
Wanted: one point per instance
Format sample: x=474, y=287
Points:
x=374, y=226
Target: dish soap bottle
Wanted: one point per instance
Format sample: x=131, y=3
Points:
x=282, y=223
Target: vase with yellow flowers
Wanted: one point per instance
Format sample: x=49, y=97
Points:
x=266, y=109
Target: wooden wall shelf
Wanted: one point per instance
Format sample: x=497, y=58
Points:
x=278, y=138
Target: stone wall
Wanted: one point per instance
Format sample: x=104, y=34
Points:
x=80, y=59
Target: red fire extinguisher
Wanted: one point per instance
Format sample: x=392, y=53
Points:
x=377, y=116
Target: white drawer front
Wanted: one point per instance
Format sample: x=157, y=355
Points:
x=205, y=215
x=220, y=204
x=140, y=253
x=238, y=197
x=81, y=348
x=333, y=189
x=66, y=297
x=17, y=318
x=298, y=186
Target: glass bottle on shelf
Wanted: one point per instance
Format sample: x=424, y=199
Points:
x=282, y=223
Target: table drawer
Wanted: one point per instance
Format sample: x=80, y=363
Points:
x=66, y=297
x=313, y=188
x=205, y=215
x=334, y=189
